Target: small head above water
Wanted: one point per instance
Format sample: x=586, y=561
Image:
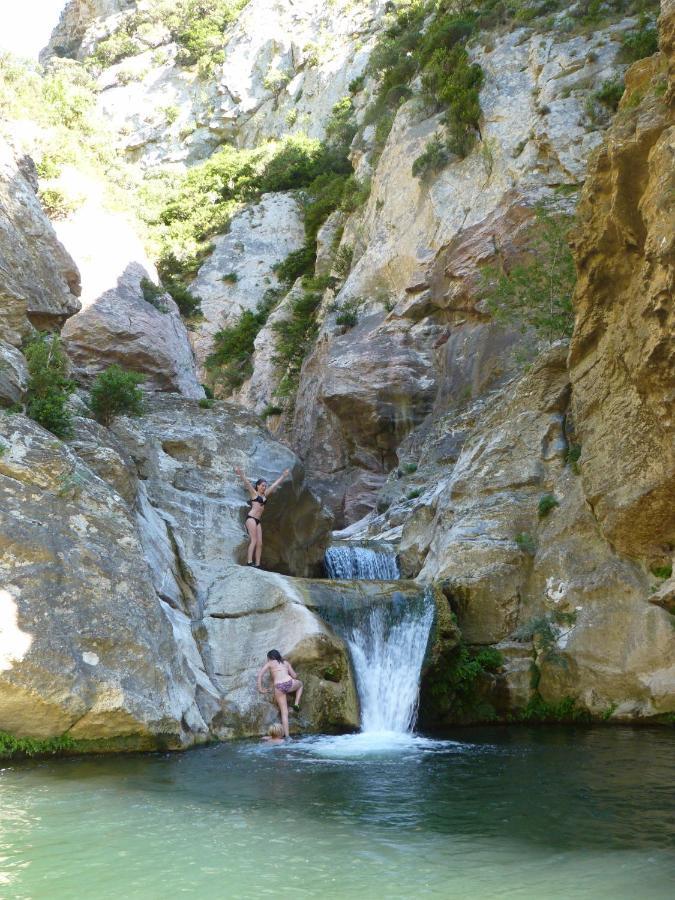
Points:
x=274, y=654
x=261, y=486
x=275, y=730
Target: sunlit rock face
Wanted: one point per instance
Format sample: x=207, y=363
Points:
x=286, y=65
x=424, y=340
x=84, y=645
x=39, y=281
x=625, y=249
x=76, y=19
x=241, y=268
x=116, y=324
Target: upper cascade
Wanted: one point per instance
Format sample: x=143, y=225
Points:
x=348, y=561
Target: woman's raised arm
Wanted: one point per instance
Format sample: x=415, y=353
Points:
x=247, y=483
x=276, y=483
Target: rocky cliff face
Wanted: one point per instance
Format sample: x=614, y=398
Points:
x=535, y=500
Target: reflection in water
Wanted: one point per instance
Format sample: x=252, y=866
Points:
x=517, y=813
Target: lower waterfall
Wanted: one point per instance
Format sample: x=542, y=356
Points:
x=387, y=643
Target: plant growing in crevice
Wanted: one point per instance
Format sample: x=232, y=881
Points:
x=526, y=543
x=11, y=746
x=454, y=689
x=49, y=386
x=572, y=457
x=545, y=631
x=152, y=294
x=547, y=502
x=536, y=295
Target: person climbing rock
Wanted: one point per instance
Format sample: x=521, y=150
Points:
x=285, y=682
x=259, y=492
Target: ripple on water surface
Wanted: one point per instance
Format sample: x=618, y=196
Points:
x=501, y=813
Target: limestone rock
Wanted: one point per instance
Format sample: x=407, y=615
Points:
x=625, y=250
x=13, y=375
x=241, y=268
x=85, y=648
x=187, y=455
x=116, y=325
x=76, y=18
x=39, y=282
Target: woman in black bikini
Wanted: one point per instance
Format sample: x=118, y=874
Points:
x=259, y=493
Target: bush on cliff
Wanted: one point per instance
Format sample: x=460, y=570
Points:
x=115, y=392
x=48, y=386
x=536, y=295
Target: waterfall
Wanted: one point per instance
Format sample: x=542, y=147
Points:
x=387, y=642
x=346, y=561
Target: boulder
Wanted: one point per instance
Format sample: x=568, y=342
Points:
x=116, y=324
x=39, y=281
x=85, y=648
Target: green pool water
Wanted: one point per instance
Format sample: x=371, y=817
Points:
x=488, y=813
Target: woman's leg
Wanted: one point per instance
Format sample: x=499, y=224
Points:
x=280, y=697
x=258, y=545
x=297, y=689
x=252, y=529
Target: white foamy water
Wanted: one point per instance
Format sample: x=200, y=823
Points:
x=387, y=643
x=349, y=562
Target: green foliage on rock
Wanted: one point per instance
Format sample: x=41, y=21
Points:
x=547, y=502
x=229, y=364
x=295, y=335
x=152, y=294
x=115, y=392
x=48, y=386
x=536, y=295
x=643, y=41
x=454, y=690
x=11, y=746
x=563, y=711
x=197, y=26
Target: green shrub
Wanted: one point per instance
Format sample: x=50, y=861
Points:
x=408, y=468
x=644, y=41
x=230, y=361
x=526, y=543
x=432, y=159
x=299, y=262
x=152, y=294
x=230, y=277
x=610, y=93
x=272, y=409
x=454, y=689
x=56, y=203
x=48, y=385
x=206, y=403
x=207, y=390
x=188, y=303
x=295, y=336
x=115, y=48
x=115, y=392
x=356, y=84
x=546, y=503
x=537, y=294
x=414, y=494
x=566, y=710
x=343, y=261
x=662, y=571
x=544, y=630
x=572, y=457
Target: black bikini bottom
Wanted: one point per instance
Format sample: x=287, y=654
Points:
x=257, y=521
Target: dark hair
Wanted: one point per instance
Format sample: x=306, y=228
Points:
x=274, y=654
x=260, y=481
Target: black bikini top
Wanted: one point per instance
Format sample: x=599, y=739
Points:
x=261, y=500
